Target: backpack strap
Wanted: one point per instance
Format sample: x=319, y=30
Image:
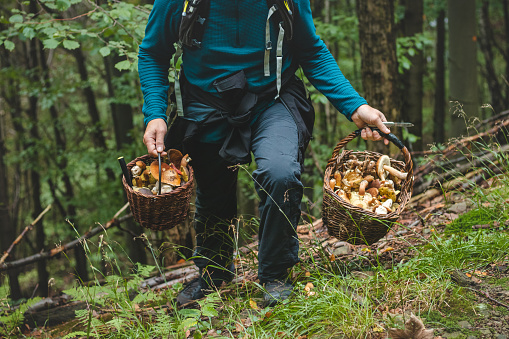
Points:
x=192, y=22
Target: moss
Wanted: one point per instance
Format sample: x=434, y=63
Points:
x=479, y=216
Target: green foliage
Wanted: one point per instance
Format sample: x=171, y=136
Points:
x=408, y=47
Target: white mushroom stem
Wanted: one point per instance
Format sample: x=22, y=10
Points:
x=395, y=172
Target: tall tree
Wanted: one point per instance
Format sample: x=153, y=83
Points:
x=379, y=65
x=439, y=108
x=412, y=77
x=6, y=226
x=463, y=87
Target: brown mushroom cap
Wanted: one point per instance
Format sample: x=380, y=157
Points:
x=141, y=164
x=185, y=160
x=168, y=174
x=384, y=160
x=175, y=157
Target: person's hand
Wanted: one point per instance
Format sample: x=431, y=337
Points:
x=367, y=115
x=154, y=136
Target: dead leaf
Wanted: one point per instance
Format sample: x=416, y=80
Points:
x=414, y=329
x=332, y=257
x=252, y=304
x=388, y=249
x=307, y=274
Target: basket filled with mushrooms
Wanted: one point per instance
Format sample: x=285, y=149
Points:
x=365, y=192
x=161, y=189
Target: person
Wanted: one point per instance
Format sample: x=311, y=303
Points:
x=241, y=97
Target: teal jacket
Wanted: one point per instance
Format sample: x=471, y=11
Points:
x=234, y=40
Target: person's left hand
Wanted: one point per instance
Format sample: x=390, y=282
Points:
x=367, y=115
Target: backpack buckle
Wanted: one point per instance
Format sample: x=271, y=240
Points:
x=268, y=45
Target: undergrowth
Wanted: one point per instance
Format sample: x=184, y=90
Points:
x=329, y=300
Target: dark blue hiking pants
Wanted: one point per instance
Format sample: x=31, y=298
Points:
x=275, y=145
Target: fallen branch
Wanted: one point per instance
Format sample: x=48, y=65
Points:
x=18, y=239
x=452, y=149
x=483, y=161
x=61, y=248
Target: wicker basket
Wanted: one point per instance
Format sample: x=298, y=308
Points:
x=354, y=224
x=163, y=211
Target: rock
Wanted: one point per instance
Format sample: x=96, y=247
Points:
x=400, y=233
x=426, y=231
x=453, y=335
x=340, y=244
x=342, y=250
x=500, y=336
x=464, y=324
x=471, y=337
x=458, y=208
x=485, y=331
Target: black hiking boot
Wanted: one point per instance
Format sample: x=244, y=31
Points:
x=193, y=290
x=276, y=292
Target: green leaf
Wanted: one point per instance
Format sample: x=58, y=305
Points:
x=123, y=65
x=105, y=51
x=17, y=18
x=411, y=51
x=51, y=43
x=29, y=32
x=189, y=322
x=71, y=44
x=9, y=45
x=209, y=311
x=63, y=4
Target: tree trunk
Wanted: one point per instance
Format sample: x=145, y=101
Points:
x=506, y=27
x=61, y=146
x=412, y=78
x=6, y=227
x=378, y=58
x=463, y=88
x=35, y=179
x=439, y=109
x=485, y=42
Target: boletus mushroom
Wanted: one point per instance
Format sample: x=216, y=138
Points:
x=168, y=174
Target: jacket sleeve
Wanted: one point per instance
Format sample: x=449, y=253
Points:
x=319, y=65
x=154, y=57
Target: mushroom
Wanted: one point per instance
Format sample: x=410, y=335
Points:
x=362, y=187
x=381, y=210
x=185, y=160
x=136, y=170
x=337, y=176
x=143, y=190
x=175, y=157
x=370, y=169
x=165, y=188
x=383, y=168
x=168, y=174
x=373, y=191
x=332, y=183
x=185, y=173
x=141, y=164
x=342, y=194
x=357, y=200
x=388, y=205
x=352, y=179
x=375, y=183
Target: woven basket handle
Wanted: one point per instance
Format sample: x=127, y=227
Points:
x=391, y=137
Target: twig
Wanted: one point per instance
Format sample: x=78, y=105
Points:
x=52, y=253
x=18, y=239
x=486, y=295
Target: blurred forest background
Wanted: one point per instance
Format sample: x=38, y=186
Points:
x=70, y=105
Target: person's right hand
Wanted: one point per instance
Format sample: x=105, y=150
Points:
x=154, y=136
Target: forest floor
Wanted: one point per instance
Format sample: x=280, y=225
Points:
x=442, y=271
x=379, y=286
